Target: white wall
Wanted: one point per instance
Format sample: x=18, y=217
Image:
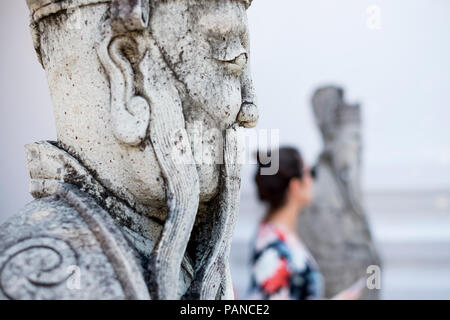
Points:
x=25, y=107
x=400, y=73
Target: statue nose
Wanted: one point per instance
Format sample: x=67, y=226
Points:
x=237, y=65
x=241, y=60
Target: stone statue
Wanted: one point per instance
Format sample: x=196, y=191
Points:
x=335, y=227
x=138, y=197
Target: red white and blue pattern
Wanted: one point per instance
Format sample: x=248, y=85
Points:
x=282, y=267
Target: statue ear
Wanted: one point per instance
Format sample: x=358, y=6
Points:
x=130, y=113
x=119, y=49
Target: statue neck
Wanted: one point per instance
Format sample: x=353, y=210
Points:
x=48, y=163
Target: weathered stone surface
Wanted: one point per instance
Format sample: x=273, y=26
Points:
x=335, y=227
x=147, y=98
x=66, y=247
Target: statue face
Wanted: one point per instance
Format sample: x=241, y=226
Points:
x=205, y=44
x=207, y=48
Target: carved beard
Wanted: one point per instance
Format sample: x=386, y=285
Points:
x=171, y=144
x=167, y=136
x=173, y=149
x=212, y=274
x=154, y=119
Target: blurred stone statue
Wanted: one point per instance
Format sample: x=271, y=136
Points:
x=138, y=197
x=335, y=227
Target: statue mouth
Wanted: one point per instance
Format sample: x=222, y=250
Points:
x=236, y=65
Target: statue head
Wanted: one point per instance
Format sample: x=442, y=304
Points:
x=131, y=80
x=340, y=125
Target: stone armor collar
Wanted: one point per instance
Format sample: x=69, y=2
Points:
x=49, y=165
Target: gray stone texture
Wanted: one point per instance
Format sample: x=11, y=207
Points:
x=335, y=227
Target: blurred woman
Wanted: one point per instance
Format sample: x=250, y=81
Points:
x=282, y=267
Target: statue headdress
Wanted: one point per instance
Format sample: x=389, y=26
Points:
x=131, y=14
x=331, y=110
x=38, y=8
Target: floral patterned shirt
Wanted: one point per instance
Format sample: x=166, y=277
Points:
x=282, y=267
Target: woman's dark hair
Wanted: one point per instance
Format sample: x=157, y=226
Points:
x=272, y=188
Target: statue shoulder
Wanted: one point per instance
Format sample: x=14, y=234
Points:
x=67, y=247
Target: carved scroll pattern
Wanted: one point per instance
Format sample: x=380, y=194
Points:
x=35, y=264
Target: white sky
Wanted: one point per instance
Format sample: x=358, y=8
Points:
x=400, y=73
